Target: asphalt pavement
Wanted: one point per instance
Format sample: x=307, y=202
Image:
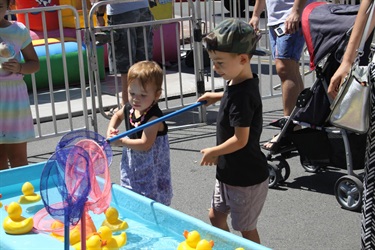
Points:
x=301, y=214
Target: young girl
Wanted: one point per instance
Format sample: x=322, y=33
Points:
x=16, y=123
x=145, y=164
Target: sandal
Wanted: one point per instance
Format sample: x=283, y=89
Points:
x=105, y=37
x=276, y=145
x=113, y=110
x=280, y=123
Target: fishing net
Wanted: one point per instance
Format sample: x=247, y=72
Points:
x=73, y=137
x=100, y=195
x=74, y=181
x=65, y=184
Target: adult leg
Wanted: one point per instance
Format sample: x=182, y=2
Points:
x=3, y=157
x=251, y=235
x=218, y=219
x=17, y=154
x=291, y=83
x=124, y=83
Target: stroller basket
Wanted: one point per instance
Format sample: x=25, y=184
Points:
x=321, y=149
x=313, y=146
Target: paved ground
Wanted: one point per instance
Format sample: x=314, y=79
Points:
x=301, y=214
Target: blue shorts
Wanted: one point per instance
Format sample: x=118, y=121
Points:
x=140, y=44
x=288, y=46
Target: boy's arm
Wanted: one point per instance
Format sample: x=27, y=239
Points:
x=235, y=143
x=210, y=97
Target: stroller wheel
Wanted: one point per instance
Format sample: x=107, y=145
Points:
x=348, y=192
x=274, y=175
x=284, y=169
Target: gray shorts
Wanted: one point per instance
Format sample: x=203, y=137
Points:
x=140, y=39
x=243, y=203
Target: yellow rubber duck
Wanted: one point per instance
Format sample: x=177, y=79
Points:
x=14, y=223
x=75, y=233
x=28, y=194
x=94, y=242
x=109, y=241
x=205, y=245
x=191, y=242
x=112, y=220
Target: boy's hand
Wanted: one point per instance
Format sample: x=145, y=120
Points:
x=208, y=158
x=210, y=97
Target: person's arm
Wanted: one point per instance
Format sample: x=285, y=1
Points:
x=259, y=7
x=148, y=138
x=31, y=64
x=351, y=50
x=100, y=15
x=113, y=125
x=210, y=97
x=235, y=143
x=292, y=22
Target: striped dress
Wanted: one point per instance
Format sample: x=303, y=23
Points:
x=16, y=123
x=368, y=208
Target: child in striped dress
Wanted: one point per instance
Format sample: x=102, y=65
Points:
x=16, y=123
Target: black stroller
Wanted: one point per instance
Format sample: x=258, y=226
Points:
x=326, y=28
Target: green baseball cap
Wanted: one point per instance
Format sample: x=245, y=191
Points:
x=234, y=36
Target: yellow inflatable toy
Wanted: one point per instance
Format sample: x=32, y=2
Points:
x=28, y=194
x=109, y=241
x=112, y=220
x=193, y=242
x=14, y=223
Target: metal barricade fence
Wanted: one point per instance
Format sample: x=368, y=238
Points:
x=190, y=22
x=179, y=80
x=215, y=11
x=51, y=103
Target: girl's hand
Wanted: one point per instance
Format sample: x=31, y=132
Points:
x=112, y=132
x=12, y=66
x=208, y=158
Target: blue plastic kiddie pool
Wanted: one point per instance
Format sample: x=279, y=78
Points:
x=151, y=224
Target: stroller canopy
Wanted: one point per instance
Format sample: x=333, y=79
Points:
x=325, y=26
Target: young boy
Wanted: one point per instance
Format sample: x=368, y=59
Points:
x=241, y=173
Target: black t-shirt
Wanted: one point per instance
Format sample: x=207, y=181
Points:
x=241, y=106
x=154, y=111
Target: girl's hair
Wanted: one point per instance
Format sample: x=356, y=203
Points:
x=148, y=72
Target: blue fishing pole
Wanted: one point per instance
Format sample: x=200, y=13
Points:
x=160, y=119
